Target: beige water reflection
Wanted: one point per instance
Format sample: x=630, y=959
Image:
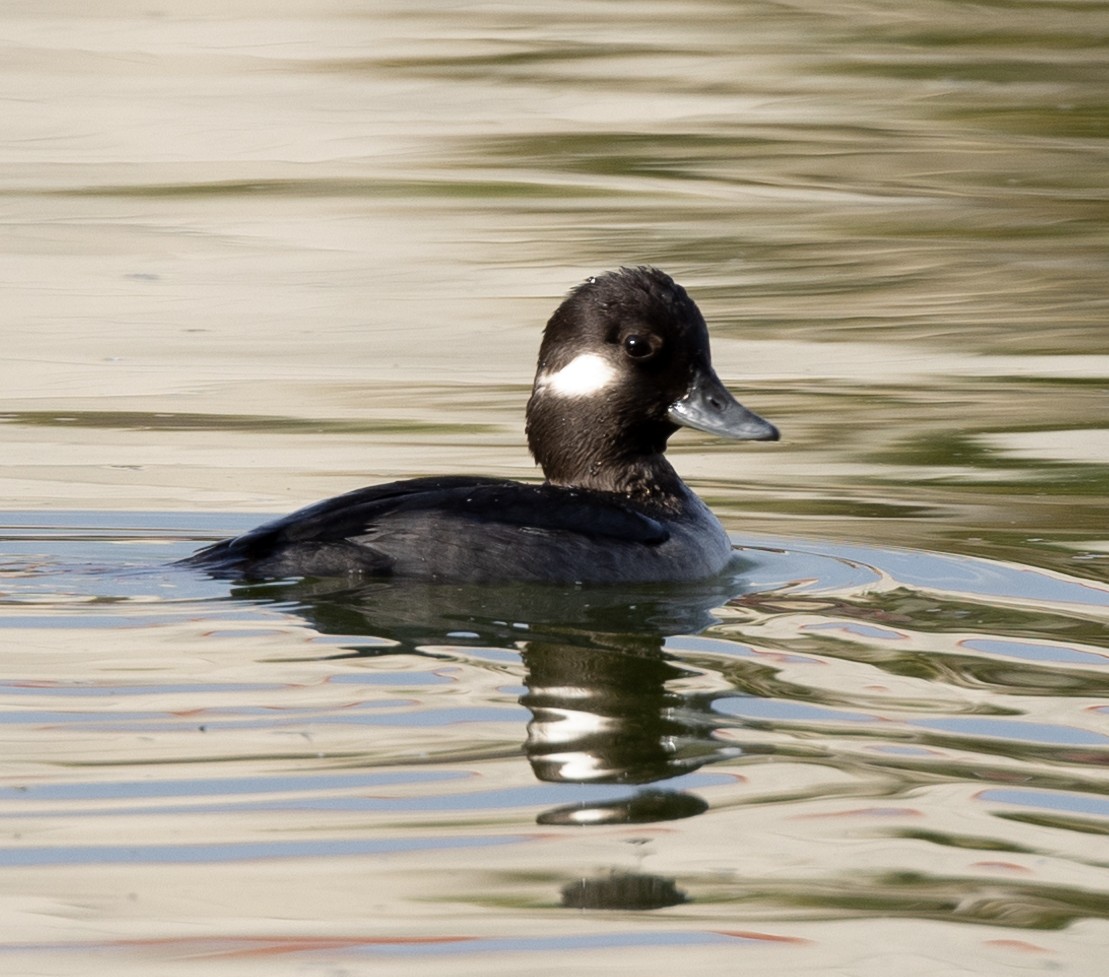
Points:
x=894, y=220
x=256, y=253
x=308, y=779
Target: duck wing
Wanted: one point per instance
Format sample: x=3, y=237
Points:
x=372, y=530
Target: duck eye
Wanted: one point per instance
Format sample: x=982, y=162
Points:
x=639, y=347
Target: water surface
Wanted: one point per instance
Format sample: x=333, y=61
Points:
x=256, y=254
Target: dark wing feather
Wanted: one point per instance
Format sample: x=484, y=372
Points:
x=553, y=509
x=336, y=535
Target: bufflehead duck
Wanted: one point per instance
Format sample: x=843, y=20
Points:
x=623, y=364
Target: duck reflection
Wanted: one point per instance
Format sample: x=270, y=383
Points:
x=599, y=682
x=600, y=687
x=604, y=717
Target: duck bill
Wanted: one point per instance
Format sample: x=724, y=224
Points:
x=707, y=406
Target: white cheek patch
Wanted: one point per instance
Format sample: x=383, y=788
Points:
x=582, y=376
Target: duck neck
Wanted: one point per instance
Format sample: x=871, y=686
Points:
x=574, y=456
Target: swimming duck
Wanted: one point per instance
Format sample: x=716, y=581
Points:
x=624, y=362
